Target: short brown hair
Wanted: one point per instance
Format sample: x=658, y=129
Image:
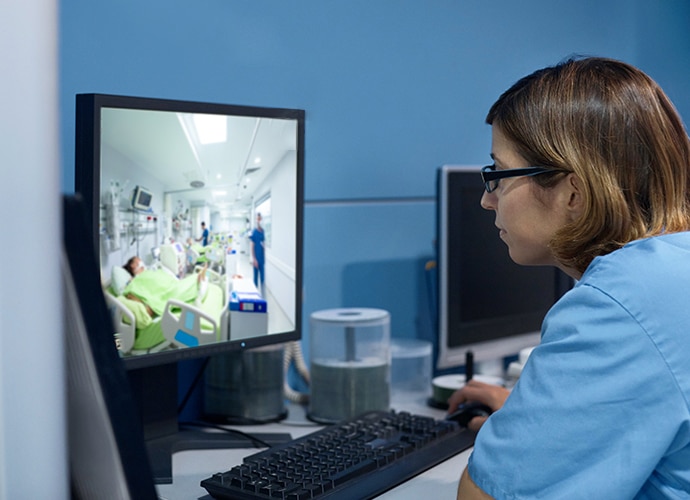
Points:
x=129, y=265
x=613, y=126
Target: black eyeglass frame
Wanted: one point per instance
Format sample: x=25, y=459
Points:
x=491, y=176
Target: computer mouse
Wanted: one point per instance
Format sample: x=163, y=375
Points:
x=467, y=411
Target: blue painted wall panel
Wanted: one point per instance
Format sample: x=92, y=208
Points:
x=376, y=258
x=392, y=89
x=388, y=86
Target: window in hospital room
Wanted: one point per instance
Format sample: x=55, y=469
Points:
x=263, y=207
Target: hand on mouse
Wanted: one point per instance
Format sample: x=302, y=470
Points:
x=491, y=395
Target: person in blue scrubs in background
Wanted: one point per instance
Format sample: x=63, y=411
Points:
x=257, y=239
x=591, y=174
x=204, y=235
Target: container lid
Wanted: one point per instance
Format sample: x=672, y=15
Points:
x=350, y=315
x=410, y=348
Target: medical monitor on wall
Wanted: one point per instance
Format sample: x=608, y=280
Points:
x=487, y=304
x=141, y=198
x=205, y=166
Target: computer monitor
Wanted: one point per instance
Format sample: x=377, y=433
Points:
x=106, y=442
x=218, y=164
x=488, y=304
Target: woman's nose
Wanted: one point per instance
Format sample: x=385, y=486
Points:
x=487, y=201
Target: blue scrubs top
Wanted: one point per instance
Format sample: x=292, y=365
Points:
x=258, y=238
x=601, y=409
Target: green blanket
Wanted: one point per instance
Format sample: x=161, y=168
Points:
x=156, y=286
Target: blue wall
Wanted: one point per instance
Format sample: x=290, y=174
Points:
x=392, y=89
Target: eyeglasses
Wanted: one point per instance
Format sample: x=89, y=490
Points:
x=491, y=176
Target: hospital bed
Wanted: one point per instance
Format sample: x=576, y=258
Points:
x=182, y=321
x=172, y=257
x=213, y=255
x=178, y=258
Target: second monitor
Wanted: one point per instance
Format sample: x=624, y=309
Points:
x=488, y=304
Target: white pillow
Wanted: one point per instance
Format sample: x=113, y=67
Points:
x=119, y=279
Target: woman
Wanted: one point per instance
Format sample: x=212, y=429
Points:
x=601, y=409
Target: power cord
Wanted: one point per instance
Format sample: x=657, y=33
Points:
x=293, y=355
x=258, y=443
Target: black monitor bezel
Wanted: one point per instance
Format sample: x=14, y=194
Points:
x=87, y=184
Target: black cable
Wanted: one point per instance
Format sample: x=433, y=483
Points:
x=238, y=420
x=258, y=443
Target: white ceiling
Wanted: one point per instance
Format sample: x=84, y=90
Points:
x=165, y=145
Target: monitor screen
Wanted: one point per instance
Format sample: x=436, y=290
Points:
x=218, y=165
x=141, y=198
x=487, y=304
x=224, y=195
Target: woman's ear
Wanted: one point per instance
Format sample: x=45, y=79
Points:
x=576, y=202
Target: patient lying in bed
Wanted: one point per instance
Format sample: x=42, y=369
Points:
x=154, y=288
x=151, y=306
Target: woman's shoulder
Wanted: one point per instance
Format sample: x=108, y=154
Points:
x=665, y=256
x=647, y=281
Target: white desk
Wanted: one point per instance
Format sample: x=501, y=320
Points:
x=191, y=467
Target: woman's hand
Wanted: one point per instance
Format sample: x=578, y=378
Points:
x=491, y=395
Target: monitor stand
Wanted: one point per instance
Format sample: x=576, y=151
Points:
x=155, y=393
x=162, y=449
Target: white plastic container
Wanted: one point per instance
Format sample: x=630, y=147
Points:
x=350, y=363
x=411, y=370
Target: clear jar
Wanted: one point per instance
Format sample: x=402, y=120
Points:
x=350, y=363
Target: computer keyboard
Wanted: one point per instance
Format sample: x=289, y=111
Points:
x=356, y=459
